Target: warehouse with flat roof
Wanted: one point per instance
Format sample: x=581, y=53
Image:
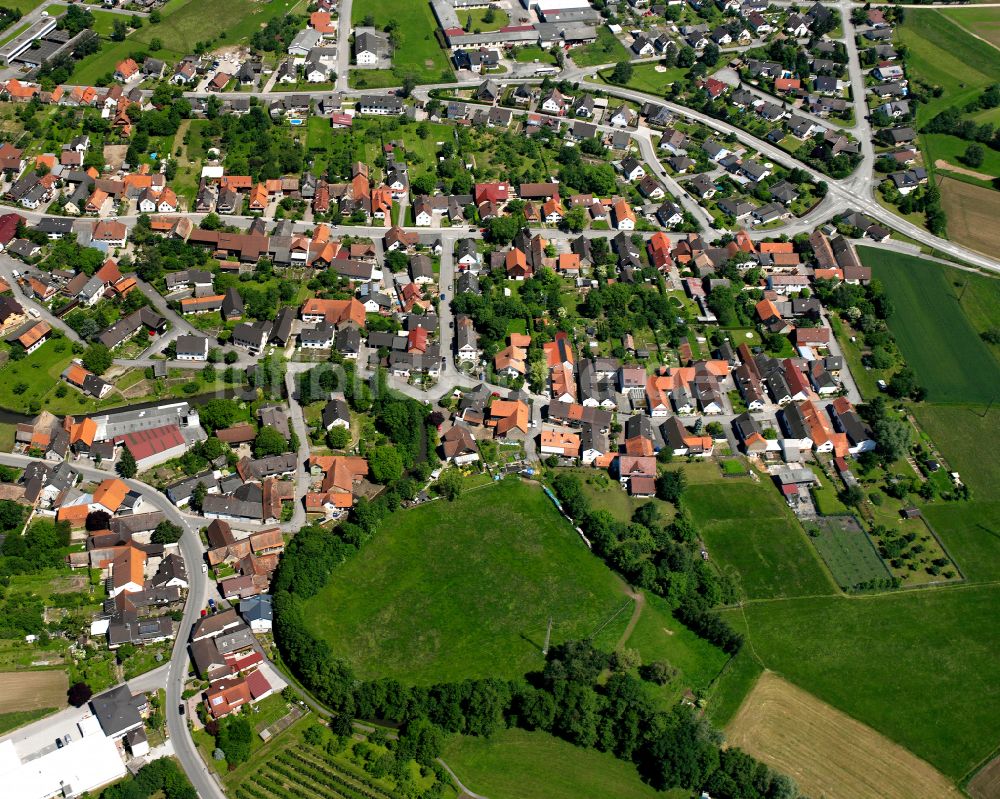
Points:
x=85, y=764
x=20, y=43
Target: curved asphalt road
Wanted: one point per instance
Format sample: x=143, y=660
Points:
x=192, y=550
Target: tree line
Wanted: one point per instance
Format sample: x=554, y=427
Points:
x=661, y=558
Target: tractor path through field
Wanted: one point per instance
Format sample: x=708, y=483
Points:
x=749, y=637
x=640, y=603
x=973, y=34
x=466, y=793
x=867, y=597
x=961, y=170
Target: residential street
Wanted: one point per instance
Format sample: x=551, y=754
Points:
x=7, y=267
x=192, y=551
x=343, y=44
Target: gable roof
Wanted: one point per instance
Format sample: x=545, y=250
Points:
x=111, y=493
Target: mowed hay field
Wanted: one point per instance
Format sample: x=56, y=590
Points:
x=972, y=213
x=657, y=635
x=959, y=432
x=950, y=359
x=971, y=532
x=451, y=590
x=920, y=667
x=185, y=23
x=942, y=53
x=28, y=690
x=826, y=752
x=983, y=22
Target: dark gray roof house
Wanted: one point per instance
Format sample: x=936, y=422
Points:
x=129, y=325
x=282, y=331
x=192, y=347
x=118, y=711
x=256, y=609
x=55, y=226
x=336, y=411
x=347, y=341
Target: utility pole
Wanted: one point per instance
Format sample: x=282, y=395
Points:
x=548, y=637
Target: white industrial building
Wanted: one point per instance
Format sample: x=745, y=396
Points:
x=84, y=764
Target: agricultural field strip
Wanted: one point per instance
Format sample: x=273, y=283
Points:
x=954, y=365
x=827, y=752
x=27, y=690
x=941, y=706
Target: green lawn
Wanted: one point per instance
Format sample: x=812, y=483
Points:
x=951, y=149
x=18, y=718
x=319, y=134
x=454, y=590
x=34, y=376
x=421, y=153
x=605, y=50
x=825, y=495
x=302, y=86
x=952, y=363
x=475, y=16
x=941, y=53
x=734, y=683
x=514, y=764
x=24, y=6
x=189, y=163
x=749, y=531
x=7, y=433
x=866, y=379
x=419, y=52
x=533, y=52
x=659, y=636
x=645, y=78
x=373, y=78
x=104, y=22
x=919, y=666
